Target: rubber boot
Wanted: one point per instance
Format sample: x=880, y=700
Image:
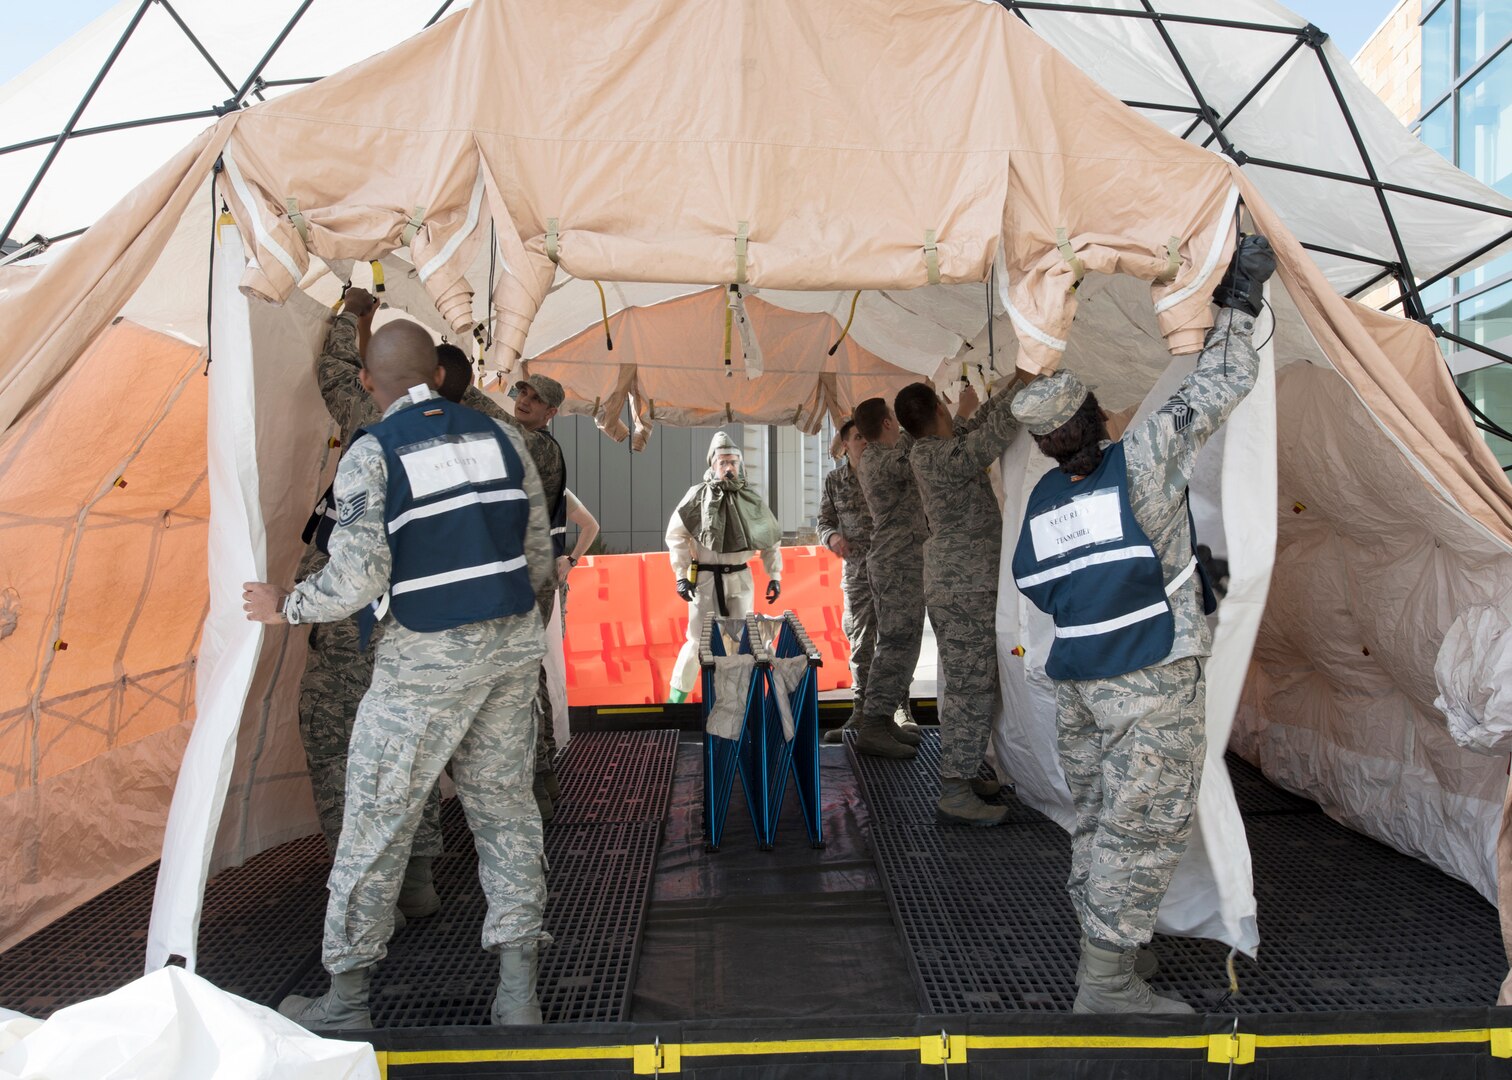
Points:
x=985, y=787
x=553, y=785
x=1146, y=963
x=1253, y=262
x=344, y=1007
x=516, y=1001
x=837, y=735
x=676, y=696
x=417, y=895
x=959, y=805
x=400, y=922
x=874, y=736
x=1109, y=985
x=904, y=728
x=543, y=800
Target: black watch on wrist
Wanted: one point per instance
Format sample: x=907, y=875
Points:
x=572, y=560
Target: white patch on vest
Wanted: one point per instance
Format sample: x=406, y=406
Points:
x=1094, y=519
x=453, y=463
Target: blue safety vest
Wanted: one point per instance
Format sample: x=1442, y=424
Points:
x=456, y=514
x=1083, y=560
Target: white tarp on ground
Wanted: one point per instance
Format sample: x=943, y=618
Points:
x=173, y=1025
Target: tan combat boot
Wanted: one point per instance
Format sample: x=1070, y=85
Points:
x=344, y=1007
x=874, y=737
x=516, y=1001
x=959, y=805
x=1109, y=985
x=417, y=895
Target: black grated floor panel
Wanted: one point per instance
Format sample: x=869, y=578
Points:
x=1346, y=923
x=904, y=792
x=262, y=921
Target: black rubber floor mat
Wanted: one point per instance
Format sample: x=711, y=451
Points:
x=615, y=776
x=1346, y=923
x=1257, y=795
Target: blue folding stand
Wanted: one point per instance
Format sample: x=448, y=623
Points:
x=761, y=756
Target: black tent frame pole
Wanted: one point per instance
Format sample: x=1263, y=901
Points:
x=57, y=145
x=1237, y=109
x=1206, y=111
x=1150, y=14
x=1473, y=346
x=1156, y=106
x=1389, y=267
x=1383, y=185
x=1388, y=274
x=188, y=33
x=125, y=125
x=1447, y=271
x=1413, y=303
x=440, y=11
x=246, y=86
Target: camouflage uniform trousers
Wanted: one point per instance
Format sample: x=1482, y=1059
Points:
x=545, y=729
x=336, y=677
x=859, y=621
x=965, y=623
x=1132, y=748
x=898, y=596
x=463, y=695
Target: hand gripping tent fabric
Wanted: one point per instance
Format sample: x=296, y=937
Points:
x=1016, y=168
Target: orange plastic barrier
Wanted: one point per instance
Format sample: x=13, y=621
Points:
x=626, y=624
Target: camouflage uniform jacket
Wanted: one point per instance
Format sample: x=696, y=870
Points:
x=1161, y=451
x=965, y=522
x=352, y=407
x=898, y=524
x=358, y=570
x=843, y=510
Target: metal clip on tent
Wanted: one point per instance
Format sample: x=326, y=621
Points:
x=761, y=754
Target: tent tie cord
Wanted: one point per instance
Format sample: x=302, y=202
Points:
x=553, y=241
x=1078, y=268
x=215, y=238
x=604, y=311
x=732, y=293
x=845, y=331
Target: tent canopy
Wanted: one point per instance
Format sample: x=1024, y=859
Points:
x=948, y=159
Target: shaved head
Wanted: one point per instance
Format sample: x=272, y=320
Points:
x=401, y=355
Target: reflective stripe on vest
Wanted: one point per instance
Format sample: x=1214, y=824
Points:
x=1109, y=625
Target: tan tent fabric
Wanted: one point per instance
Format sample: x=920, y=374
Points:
x=674, y=353
x=91, y=733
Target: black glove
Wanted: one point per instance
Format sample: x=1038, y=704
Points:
x=1253, y=262
x=685, y=589
x=774, y=590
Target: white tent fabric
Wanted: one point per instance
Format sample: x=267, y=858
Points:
x=1388, y=767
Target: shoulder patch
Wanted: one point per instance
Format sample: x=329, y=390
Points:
x=349, y=510
x=1178, y=410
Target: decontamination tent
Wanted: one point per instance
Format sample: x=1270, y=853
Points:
x=819, y=160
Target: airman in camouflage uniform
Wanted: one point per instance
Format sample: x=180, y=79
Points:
x=961, y=556
x=845, y=527
x=895, y=563
x=1133, y=746
x=338, y=672
x=462, y=695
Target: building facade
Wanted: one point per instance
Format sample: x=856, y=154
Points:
x=1445, y=69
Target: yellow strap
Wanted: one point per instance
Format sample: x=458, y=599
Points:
x=742, y=236
x=604, y=310
x=931, y=256
x=291, y=204
x=1173, y=262
x=221, y=222
x=417, y=218
x=729, y=416
x=650, y=408
x=1078, y=268
x=377, y=268
x=553, y=247
x=846, y=330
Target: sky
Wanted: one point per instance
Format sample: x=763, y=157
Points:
x=30, y=29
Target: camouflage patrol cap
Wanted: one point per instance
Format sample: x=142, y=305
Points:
x=1047, y=403
x=547, y=389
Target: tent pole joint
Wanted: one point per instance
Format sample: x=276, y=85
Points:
x=1312, y=36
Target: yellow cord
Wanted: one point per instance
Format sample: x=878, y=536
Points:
x=604, y=307
x=850, y=319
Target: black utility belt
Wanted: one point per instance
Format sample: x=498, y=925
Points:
x=719, y=567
